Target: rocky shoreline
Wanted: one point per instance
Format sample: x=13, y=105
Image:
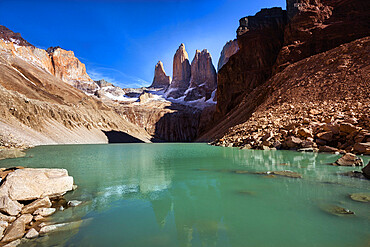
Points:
x=28, y=196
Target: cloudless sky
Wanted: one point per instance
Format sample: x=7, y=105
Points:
x=121, y=41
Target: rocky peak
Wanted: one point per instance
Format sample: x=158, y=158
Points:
x=51, y=49
x=203, y=76
x=161, y=80
x=8, y=35
x=272, y=18
x=103, y=83
x=181, y=73
x=229, y=49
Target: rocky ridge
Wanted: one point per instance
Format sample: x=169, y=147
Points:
x=311, y=105
x=195, y=81
x=306, y=44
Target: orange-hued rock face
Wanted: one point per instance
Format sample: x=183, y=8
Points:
x=67, y=66
x=36, y=56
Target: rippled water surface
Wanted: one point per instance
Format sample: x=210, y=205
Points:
x=189, y=195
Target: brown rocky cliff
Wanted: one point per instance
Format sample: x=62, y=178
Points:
x=320, y=25
x=160, y=80
x=252, y=64
x=203, y=79
x=319, y=102
x=181, y=73
x=268, y=45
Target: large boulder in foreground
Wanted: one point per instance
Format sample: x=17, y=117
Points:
x=349, y=160
x=30, y=184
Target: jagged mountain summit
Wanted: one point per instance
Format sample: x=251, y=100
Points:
x=181, y=74
x=203, y=79
x=191, y=82
x=160, y=80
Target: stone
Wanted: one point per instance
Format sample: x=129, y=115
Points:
x=362, y=148
x=326, y=136
x=3, y=226
x=203, y=79
x=74, y=187
x=349, y=160
x=366, y=171
x=160, y=80
x=17, y=229
x=60, y=227
x=38, y=218
x=74, y=203
x=13, y=243
x=354, y=174
x=320, y=142
x=31, y=184
x=229, y=49
x=360, y=197
x=293, y=142
x=181, y=74
x=287, y=174
x=33, y=206
x=32, y=233
x=44, y=212
x=347, y=128
x=328, y=149
x=8, y=206
x=7, y=218
x=337, y=210
x=304, y=132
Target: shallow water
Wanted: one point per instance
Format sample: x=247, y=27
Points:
x=189, y=195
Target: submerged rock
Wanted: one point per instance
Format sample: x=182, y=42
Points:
x=337, y=210
x=348, y=160
x=11, y=153
x=74, y=203
x=60, y=227
x=287, y=174
x=360, y=197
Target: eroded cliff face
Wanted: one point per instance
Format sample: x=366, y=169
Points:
x=320, y=25
x=273, y=39
x=181, y=73
x=314, y=95
x=259, y=45
x=160, y=80
x=69, y=68
x=203, y=79
x=58, y=62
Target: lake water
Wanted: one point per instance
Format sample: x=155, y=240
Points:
x=189, y=195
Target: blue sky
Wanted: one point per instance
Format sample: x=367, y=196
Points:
x=121, y=41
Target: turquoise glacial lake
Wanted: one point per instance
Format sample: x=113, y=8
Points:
x=190, y=195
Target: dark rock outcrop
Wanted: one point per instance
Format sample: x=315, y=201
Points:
x=251, y=66
x=8, y=35
x=161, y=80
x=181, y=74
